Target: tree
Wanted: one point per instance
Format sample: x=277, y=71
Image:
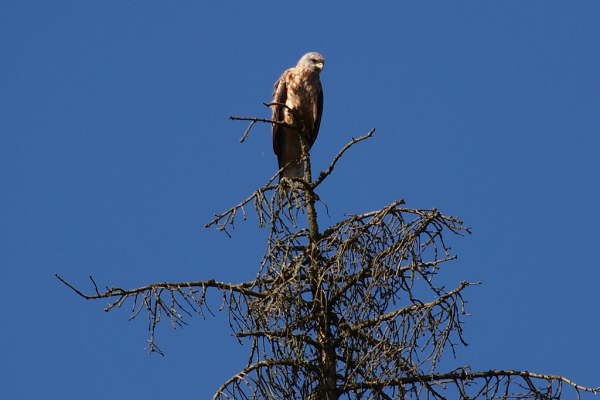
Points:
x=350, y=311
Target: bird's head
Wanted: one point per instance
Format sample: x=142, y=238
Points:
x=314, y=61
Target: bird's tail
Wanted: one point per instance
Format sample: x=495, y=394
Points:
x=293, y=170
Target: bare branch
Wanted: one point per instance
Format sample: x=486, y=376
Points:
x=255, y=120
x=242, y=288
x=329, y=170
x=463, y=377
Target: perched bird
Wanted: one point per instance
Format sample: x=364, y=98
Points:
x=300, y=89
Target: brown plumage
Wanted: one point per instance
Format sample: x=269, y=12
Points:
x=300, y=89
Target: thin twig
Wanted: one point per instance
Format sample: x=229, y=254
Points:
x=255, y=120
x=329, y=170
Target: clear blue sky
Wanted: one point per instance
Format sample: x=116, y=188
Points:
x=115, y=150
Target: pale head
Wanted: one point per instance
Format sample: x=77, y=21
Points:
x=314, y=61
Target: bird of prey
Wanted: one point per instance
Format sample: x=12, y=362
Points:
x=300, y=89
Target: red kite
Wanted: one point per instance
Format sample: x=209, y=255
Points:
x=300, y=89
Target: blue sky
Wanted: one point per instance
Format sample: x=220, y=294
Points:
x=116, y=149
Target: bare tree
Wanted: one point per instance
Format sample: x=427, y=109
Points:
x=350, y=311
